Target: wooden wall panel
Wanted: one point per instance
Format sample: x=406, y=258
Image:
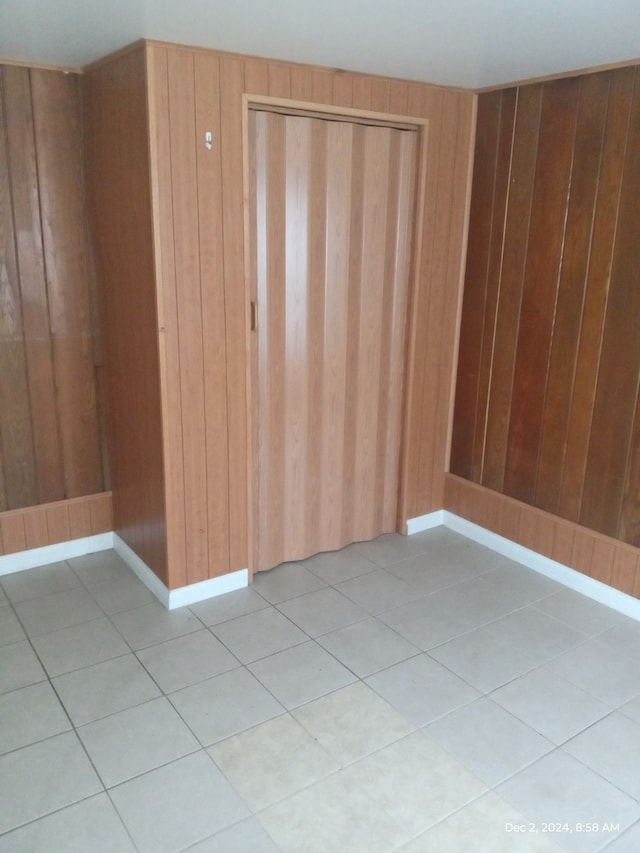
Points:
x=49, y=524
x=603, y=558
x=555, y=424
x=117, y=151
x=203, y=486
x=51, y=432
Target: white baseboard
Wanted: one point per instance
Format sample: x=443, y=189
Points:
x=34, y=557
x=571, y=578
x=184, y=595
x=425, y=522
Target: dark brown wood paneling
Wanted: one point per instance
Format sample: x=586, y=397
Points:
x=597, y=291
x=50, y=433
x=594, y=91
x=542, y=270
x=562, y=412
x=514, y=253
x=476, y=283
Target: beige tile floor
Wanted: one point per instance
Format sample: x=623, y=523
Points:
x=407, y=694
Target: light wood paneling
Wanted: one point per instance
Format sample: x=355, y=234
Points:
x=48, y=524
x=51, y=434
x=547, y=389
x=331, y=210
x=117, y=150
x=193, y=495
x=601, y=557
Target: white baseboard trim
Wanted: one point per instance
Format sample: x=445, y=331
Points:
x=425, y=522
x=184, y=595
x=571, y=578
x=18, y=562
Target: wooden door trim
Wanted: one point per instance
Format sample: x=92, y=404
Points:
x=314, y=109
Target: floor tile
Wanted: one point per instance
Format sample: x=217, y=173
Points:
x=61, y=610
x=559, y=789
x=415, y=782
x=134, y=741
x=225, y=705
x=125, y=593
x=4, y=601
x=549, y=704
x=579, y=612
x=430, y=572
x=520, y=582
x=483, y=826
x=632, y=709
x=337, y=566
x=152, y=623
x=331, y=815
x=377, y=591
x=29, y=715
x=247, y=836
x=322, y=611
x=286, y=581
x=483, y=660
x=391, y=548
x=422, y=689
x=625, y=842
x=187, y=660
x=91, y=825
x=352, y=722
x=301, y=674
x=540, y=636
x=19, y=666
x=611, y=747
x=34, y=583
x=79, y=646
x=175, y=806
x=475, y=602
x=488, y=740
x=99, y=567
x=367, y=646
x=600, y=671
x=43, y=777
x=229, y=606
x=258, y=634
x=428, y=622
x=624, y=637
x=10, y=628
x=272, y=761
x=105, y=688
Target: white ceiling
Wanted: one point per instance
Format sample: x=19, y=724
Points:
x=471, y=43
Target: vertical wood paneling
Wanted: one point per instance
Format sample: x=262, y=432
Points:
x=50, y=431
x=597, y=291
x=32, y=457
x=207, y=92
x=236, y=305
x=587, y=154
x=542, y=269
x=58, y=138
x=619, y=369
x=49, y=524
x=478, y=259
x=562, y=406
x=186, y=178
x=117, y=148
x=188, y=301
x=603, y=558
x=516, y=227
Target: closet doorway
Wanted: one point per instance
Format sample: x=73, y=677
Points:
x=331, y=209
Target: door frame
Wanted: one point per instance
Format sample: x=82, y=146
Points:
x=321, y=110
